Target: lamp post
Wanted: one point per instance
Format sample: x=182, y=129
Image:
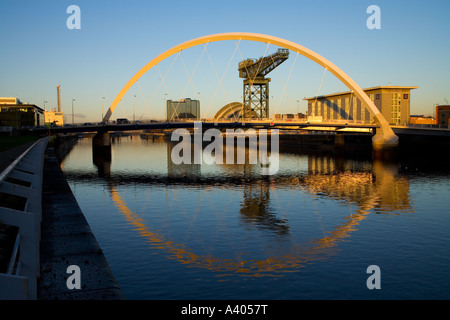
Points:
x=102, y=107
x=167, y=104
x=134, y=119
x=45, y=101
x=73, y=122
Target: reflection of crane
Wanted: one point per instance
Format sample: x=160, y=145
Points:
x=256, y=86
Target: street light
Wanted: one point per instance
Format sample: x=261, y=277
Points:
x=72, y=111
x=134, y=98
x=102, y=107
x=45, y=101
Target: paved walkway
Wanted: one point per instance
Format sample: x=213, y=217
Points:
x=8, y=156
x=68, y=240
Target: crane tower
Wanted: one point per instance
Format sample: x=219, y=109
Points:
x=256, y=85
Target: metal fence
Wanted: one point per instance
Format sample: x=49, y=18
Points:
x=22, y=179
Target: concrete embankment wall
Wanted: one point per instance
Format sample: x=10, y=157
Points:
x=21, y=207
x=67, y=240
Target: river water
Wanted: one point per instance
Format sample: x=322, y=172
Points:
x=224, y=231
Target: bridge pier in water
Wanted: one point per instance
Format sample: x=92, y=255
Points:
x=101, y=152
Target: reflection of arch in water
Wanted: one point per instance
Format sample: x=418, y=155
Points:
x=368, y=191
x=271, y=266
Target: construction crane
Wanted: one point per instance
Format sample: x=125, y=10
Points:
x=256, y=85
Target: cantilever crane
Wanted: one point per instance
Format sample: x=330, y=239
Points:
x=256, y=85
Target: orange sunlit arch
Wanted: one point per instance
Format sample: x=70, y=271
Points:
x=384, y=137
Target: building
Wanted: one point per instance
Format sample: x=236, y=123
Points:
x=187, y=109
x=14, y=113
x=289, y=117
x=54, y=117
x=421, y=119
x=392, y=101
x=443, y=115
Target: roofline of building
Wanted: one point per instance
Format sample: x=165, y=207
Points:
x=366, y=89
x=22, y=105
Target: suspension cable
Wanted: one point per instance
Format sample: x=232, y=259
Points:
x=285, y=85
x=190, y=78
x=321, y=82
x=220, y=80
x=160, y=83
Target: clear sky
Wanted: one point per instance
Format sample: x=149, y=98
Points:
x=117, y=38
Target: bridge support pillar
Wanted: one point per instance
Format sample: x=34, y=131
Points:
x=339, y=140
x=101, y=152
x=383, y=140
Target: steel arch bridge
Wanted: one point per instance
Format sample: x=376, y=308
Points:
x=385, y=137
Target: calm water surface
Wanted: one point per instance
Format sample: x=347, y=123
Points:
x=226, y=232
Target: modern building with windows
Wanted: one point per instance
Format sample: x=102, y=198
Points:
x=14, y=113
x=443, y=115
x=186, y=109
x=392, y=101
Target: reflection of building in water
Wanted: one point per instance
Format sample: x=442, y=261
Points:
x=376, y=184
x=186, y=170
x=329, y=165
x=235, y=167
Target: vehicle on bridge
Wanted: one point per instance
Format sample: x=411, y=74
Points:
x=123, y=121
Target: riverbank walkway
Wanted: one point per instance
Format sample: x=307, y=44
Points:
x=65, y=240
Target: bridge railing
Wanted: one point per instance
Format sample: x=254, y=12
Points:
x=21, y=186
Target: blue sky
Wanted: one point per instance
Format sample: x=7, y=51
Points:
x=117, y=38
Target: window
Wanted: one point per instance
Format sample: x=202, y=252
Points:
x=354, y=106
x=339, y=110
x=395, y=108
x=347, y=108
x=405, y=96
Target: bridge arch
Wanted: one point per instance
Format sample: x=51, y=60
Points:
x=385, y=136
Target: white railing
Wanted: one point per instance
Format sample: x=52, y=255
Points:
x=21, y=278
